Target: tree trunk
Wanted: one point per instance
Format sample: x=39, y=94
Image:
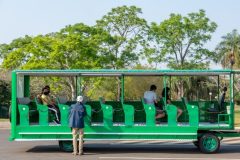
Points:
x=180, y=89
x=72, y=84
x=118, y=88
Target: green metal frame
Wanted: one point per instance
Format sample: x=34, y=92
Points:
x=108, y=130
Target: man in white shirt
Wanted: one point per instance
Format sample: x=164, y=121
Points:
x=150, y=97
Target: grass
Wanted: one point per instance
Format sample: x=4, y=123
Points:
x=237, y=118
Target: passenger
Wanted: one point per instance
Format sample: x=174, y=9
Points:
x=150, y=97
x=76, y=122
x=179, y=111
x=222, y=99
x=52, y=106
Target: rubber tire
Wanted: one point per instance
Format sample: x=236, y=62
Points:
x=203, y=140
x=65, y=146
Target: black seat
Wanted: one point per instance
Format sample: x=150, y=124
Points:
x=62, y=100
x=24, y=100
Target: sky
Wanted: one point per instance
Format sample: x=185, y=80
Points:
x=34, y=17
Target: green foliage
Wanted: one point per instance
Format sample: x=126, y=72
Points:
x=71, y=48
x=230, y=44
x=180, y=41
x=117, y=41
x=5, y=96
x=128, y=33
x=5, y=93
x=103, y=87
x=14, y=54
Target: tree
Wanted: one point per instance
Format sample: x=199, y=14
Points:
x=230, y=44
x=128, y=33
x=15, y=51
x=5, y=93
x=179, y=42
x=73, y=47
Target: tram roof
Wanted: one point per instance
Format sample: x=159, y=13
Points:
x=108, y=72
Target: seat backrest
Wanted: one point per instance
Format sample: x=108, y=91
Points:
x=62, y=100
x=162, y=100
x=122, y=102
x=101, y=100
x=38, y=99
x=162, y=103
x=24, y=100
x=185, y=101
x=144, y=101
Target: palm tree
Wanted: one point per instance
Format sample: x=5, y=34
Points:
x=229, y=48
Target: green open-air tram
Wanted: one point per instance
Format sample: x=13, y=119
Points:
x=125, y=119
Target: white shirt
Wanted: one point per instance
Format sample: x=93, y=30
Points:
x=150, y=97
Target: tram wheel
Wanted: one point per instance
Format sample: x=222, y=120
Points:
x=209, y=143
x=66, y=146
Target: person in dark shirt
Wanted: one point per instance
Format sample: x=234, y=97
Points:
x=166, y=91
x=76, y=122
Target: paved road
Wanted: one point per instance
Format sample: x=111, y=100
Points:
x=125, y=150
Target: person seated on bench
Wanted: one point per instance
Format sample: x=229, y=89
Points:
x=221, y=100
x=215, y=109
x=47, y=100
x=150, y=97
x=167, y=89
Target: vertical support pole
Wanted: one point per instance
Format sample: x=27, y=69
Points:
x=79, y=85
x=76, y=88
x=164, y=86
x=14, y=106
x=231, y=101
x=122, y=90
x=170, y=83
x=26, y=86
x=218, y=86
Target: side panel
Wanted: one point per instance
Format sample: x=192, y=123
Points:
x=107, y=133
x=13, y=106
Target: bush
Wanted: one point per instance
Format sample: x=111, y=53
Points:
x=5, y=97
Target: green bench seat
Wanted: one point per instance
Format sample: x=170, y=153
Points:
x=150, y=111
x=128, y=114
x=23, y=108
x=107, y=113
x=171, y=111
x=193, y=112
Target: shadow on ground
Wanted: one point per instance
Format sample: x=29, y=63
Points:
x=130, y=148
